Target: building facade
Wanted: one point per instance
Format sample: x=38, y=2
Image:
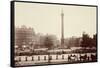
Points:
x=24, y=36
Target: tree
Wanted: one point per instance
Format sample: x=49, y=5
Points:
x=94, y=40
x=86, y=41
x=48, y=42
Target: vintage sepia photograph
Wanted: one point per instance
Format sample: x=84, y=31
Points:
x=52, y=33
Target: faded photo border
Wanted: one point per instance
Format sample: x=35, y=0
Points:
x=12, y=30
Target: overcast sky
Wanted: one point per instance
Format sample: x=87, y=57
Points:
x=46, y=18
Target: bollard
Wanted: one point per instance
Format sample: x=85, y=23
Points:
x=56, y=57
x=32, y=58
x=19, y=59
x=38, y=58
x=62, y=56
x=88, y=58
x=50, y=57
x=68, y=58
x=80, y=57
x=44, y=57
x=25, y=58
x=77, y=58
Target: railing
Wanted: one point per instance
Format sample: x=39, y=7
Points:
x=69, y=58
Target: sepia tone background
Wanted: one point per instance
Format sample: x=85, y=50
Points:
x=46, y=18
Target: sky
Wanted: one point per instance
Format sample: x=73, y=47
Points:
x=46, y=18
